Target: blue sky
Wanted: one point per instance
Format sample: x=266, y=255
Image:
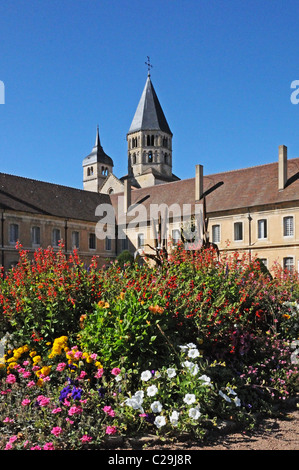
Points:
x=222, y=71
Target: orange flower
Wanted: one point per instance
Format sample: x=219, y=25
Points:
x=156, y=309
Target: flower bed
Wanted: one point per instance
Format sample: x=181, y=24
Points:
x=131, y=350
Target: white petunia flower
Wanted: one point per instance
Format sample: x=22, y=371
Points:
x=156, y=407
x=160, y=421
x=194, y=413
x=136, y=401
x=146, y=375
x=224, y=396
x=152, y=390
x=237, y=401
x=189, y=398
x=171, y=372
x=205, y=379
x=193, y=353
x=174, y=418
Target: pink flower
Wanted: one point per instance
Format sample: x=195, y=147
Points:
x=93, y=356
x=25, y=402
x=109, y=411
x=31, y=384
x=56, y=431
x=26, y=374
x=115, y=371
x=99, y=373
x=75, y=410
x=61, y=366
x=78, y=354
x=86, y=438
x=35, y=448
x=69, y=420
x=25, y=363
x=13, y=438
x=49, y=446
x=111, y=430
x=11, y=379
x=82, y=374
x=8, y=420
x=8, y=446
x=42, y=400
x=56, y=410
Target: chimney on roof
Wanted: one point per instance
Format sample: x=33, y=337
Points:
x=127, y=195
x=282, y=167
x=198, y=182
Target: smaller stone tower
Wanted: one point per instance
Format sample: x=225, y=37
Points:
x=96, y=167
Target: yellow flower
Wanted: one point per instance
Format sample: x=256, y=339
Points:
x=45, y=370
x=33, y=353
x=98, y=365
x=40, y=382
x=12, y=365
x=36, y=359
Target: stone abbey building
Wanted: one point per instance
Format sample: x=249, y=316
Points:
x=253, y=209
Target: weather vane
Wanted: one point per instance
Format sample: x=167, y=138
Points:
x=149, y=65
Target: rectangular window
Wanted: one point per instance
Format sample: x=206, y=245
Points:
x=288, y=263
x=75, y=239
x=13, y=233
x=288, y=226
x=92, y=241
x=124, y=244
x=238, y=231
x=140, y=240
x=35, y=235
x=108, y=244
x=56, y=237
x=262, y=228
x=176, y=236
x=215, y=233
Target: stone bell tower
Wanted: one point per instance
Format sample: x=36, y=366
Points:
x=149, y=142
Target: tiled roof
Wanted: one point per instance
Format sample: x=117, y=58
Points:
x=227, y=191
x=38, y=197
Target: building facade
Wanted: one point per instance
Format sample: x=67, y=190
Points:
x=253, y=210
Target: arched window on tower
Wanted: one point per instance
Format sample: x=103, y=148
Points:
x=152, y=140
x=103, y=170
x=148, y=140
x=88, y=171
x=165, y=158
x=150, y=157
x=134, y=159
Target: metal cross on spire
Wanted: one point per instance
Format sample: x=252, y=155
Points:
x=149, y=66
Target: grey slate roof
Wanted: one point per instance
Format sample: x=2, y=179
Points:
x=149, y=114
x=37, y=197
x=97, y=154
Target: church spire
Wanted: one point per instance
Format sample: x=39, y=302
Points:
x=149, y=114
